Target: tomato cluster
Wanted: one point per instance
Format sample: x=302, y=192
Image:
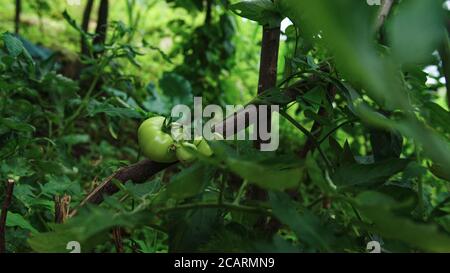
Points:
x=157, y=144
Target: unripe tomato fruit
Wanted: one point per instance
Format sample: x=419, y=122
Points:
x=184, y=153
x=218, y=136
x=155, y=144
x=204, y=149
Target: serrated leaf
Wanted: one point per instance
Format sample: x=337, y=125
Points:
x=349, y=175
x=306, y=225
x=271, y=176
x=15, y=47
x=16, y=125
x=95, y=108
x=17, y=220
x=89, y=227
x=12, y=44
x=177, y=89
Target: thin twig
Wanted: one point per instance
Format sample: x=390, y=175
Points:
x=336, y=128
x=240, y=192
x=315, y=202
x=309, y=135
x=6, y=203
x=85, y=100
x=137, y=173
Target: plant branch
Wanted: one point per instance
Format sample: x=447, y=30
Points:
x=310, y=137
x=240, y=192
x=137, y=173
x=86, y=98
x=309, y=145
x=4, y=213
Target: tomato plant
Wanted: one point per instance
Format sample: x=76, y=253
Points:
x=87, y=154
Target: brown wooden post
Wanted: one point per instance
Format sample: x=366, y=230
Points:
x=268, y=68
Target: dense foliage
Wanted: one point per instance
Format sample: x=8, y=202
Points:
x=364, y=126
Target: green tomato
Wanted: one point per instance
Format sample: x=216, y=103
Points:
x=218, y=136
x=204, y=148
x=197, y=140
x=155, y=144
x=184, y=153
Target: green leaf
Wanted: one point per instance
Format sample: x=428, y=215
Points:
x=272, y=96
x=437, y=116
x=59, y=185
x=380, y=210
x=95, y=107
x=268, y=175
x=316, y=175
x=90, y=227
x=176, y=88
x=74, y=139
x=413, y=17
x=17, y=167
x=349, y=175
x=16, y=125
x=13, y=45
x=17, y=220
x=307, y=226
x=189, y=230
x=265, y=12
x=73, y=23
x=385, y=144
x=317, y=118
x=189, y=182
x=440, y=171
x=156, y=102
